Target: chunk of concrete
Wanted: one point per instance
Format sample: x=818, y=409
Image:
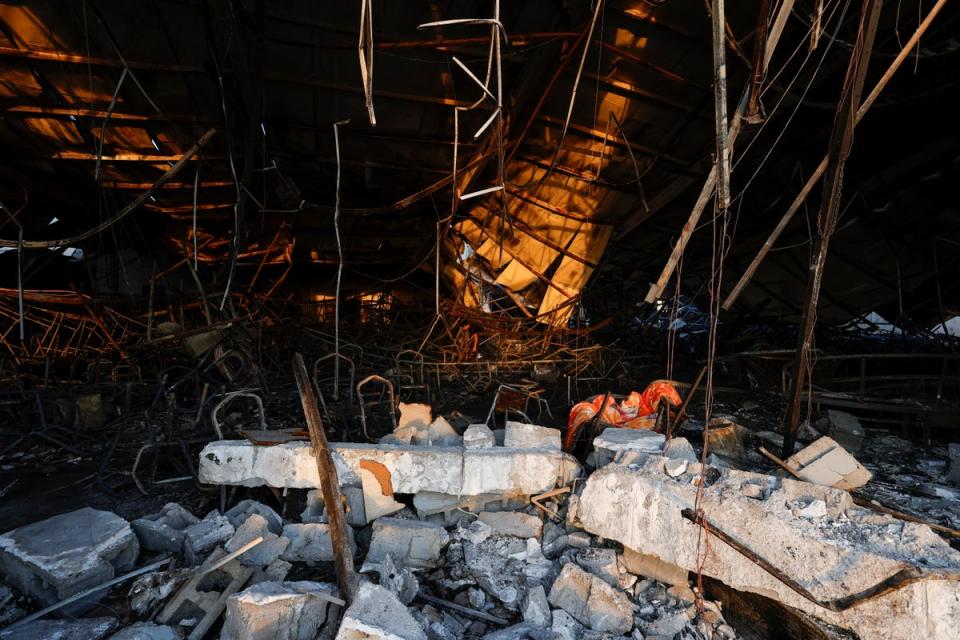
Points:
x=163, y=531
x=680, y=449
x=239, y=513
x=847, y=552
x=826, y=463
x=147, y=631
x=428, y=503
x=519, y=435
x=55, y=558
x=376, y=614
x=478, y=436
x=80, y=629
x=310, y=543
x=727, y=438
x=411, y=543
x=277, y=611
x=614, y=440
x=603, y=564
x=201, y=538
x=439, y=433
x=845, y=428
x=513, y=523
x=354, y=508
x=651, y=566
x=536, y=609
x=591, y=601
x=264, y=553
x=400, y=580
x=376, y=502
x=566, y=626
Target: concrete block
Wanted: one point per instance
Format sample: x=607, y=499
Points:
x=264, y=553
x=680, y=449
x=826, y=463
x=846, y=552
x=81, y=629
x=513, y=523
x=478, y=436
x=519, y=435
x=566, y=626
x=277, y=611
x=399, y=580
x=276, y=571
x=147, y=631
x=439, y=433
x=411, y=543
x=377, y=496
x=354, y=507
x=536, y=609
x=55, y=558
x=239, y=513
x=201, y=538
x=651, y=566
x=413, y=469
x=591, y=601
x=727, y=438
x=198, y=604
x=163, y=531
x=614, y=440
x=310, y=543
x=846, y=429
x=376, y=614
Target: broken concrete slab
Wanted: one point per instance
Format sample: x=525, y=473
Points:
x=277, y=611
x=354, y=507
x=147, y=631
x=376, y=614
x=81, y=629
x=591, y=601
x=310, y=543
x=266, y=552
x=519, y=435
x=439, y=433
x=239, y=513
x=826, y=463
x=449, y=470
x=513, y=523
x=56, y=558
x=201, y=538
x=614, y=440
x=845, y=428
x=847, y=552
x=163, y=531
x=429, y=503
x=411, y=543
x=478, y=436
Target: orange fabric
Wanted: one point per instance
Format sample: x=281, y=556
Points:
x=631, y=413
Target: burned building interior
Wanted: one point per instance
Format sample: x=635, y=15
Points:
x=560, y=320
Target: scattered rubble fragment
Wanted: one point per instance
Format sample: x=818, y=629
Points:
x=376, y=614
x=164, y=531
x=827, y=463
x=278, y=611
x=79, y=629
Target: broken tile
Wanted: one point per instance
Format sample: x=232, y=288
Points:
x=827, y=463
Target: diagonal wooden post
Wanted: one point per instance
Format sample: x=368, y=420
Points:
x=329, y=485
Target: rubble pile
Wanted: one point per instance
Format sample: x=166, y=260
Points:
x=485, y=534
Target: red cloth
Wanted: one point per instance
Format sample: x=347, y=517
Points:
x=625, y=414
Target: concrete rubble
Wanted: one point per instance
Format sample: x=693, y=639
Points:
x=843, y=552
x=450, y=546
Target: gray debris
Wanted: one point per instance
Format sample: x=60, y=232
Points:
x=376, y=614
x=310, y=543
x=399, y=580
x=55, y=558
x=591, y=601
x=277, y=611
x=536, y=609
x=147, y=631
x=243, y=509
x=267, y=551
x=512, y=523
x=478, y=436
x=80, y=629
x=411, y=543
x=200, y=538
x=163, y=531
